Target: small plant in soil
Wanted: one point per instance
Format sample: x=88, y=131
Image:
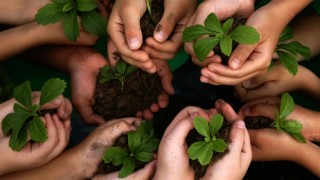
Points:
x=67, y=11
x=26, y=118
x=280, y=122
x=135, y=150
x=207, y=142
x=215, y=34
x=288, y=51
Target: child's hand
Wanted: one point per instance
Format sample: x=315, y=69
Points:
x=266, y=107
x=36, y=154
x=277, y=81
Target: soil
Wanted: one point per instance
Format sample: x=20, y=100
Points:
x=194, y=136
x=140, y=90
x=257, y=122
x=122, y=142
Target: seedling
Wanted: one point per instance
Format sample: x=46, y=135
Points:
x=142, y=144
x=68, y=10
x=148, y=2
x=203, y=150
x=291, y=126
x=119, y=72
x=26, y=118
x=213, y=33
x=288, y=51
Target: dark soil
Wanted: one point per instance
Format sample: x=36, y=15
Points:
x=257, y=122
x=122, y=142
x=194, y=136
x=141, y=89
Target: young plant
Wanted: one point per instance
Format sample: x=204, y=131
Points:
x=213, y=33
x=148, y=2
x=291, y=126
x=142, y=144
x=68, y=10
x=288, y=51
x=119, y=72
x=203, y=150
x=26, y=118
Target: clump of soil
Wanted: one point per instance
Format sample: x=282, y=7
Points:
x=194, y=136
x=257, y=122
x=140, y=90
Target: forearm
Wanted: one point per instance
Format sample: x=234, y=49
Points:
x=309, y=158
x=308, y=82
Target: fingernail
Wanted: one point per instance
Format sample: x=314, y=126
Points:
x=246, y=84
x=220, y=101
x=240, y=125
x=194, y=114
x=235, y=63
x=134, y=43
x=160, y=36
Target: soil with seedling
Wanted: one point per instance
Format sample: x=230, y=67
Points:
x=194, y=136
x=140, y=89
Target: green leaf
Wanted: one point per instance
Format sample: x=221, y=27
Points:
x=127, y=168
x=37, y=130
x=206, y=154
x=49, y=14
x=17, y=108
x=121, y=67
x=193, y=32
x=11, y=121
x=288, y=61
x=227, y=25
x=286, y=106
x=226, y=45
x=202, y=47
x=51, y=89
x=292, y=126
x=68, y=7
x=94, y=23
x=34, y=109
x=60, y=1
x=298, y=137
x=286, y=34
x=116, y=155
x=144, y=156
x=22, y=94
x=194, y=149
x=105, y=78
x=215, y=124
x=149, y=145
x=219, y=145
x=296, y=47
x=245, y=35
x=213, y=24
x=133, y=140
x=86, y=5
x=71, y=25
x=105, y=70
x=131, y=69
x=201, y=126
x=17, y=142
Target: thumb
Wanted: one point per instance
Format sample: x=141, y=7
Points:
x=237, y=137
x=240, y=55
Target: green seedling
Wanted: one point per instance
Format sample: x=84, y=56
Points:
x=288, y=51
x=148, y=2
x=142, y=144
x=213, y=33
x=203, y=150
x=119, y=72
x=26, y=118
x=68, y=11
x=291, y=126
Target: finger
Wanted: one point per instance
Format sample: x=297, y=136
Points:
x=236, y=137
x=67, y=126
x=170, y=46
x=36, y=97
x=147, y=114
x=239, y=55
x=113, y=54
x=163, y=101
x=226, y=110
x=265, y=110
x=257, y=81
x=145, y=173
x=158, y=54
x=165, y=75
x=52, y=132
x=88, y=115
x=247, y=148
x=155, y=107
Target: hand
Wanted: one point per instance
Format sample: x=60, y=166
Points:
x=145, y=173
x=167, y=38
x=36, y=154
x=223, y=9
x=266, y=107
x=275, y=82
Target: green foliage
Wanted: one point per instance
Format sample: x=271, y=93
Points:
x=288, y=51
x=119, y=72
x=203, y=150
x=148, y=2
x=213, y=33
x=291, y=126
x=141, y=143
x=68, y=11
x=27, y=116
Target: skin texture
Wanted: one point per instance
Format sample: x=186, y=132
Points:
x=247, y=61
x=37, y=154
x=124, y=30
x=173, y=153
x=81, y=161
